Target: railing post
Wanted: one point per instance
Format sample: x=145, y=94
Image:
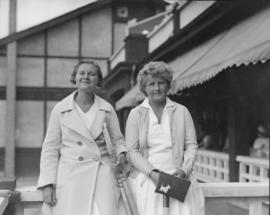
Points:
x=241, y=171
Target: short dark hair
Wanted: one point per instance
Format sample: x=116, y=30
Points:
x=86, y=61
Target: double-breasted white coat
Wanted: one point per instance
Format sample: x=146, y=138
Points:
x=71, y=160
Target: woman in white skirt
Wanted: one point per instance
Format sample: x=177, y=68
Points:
x=160, y=135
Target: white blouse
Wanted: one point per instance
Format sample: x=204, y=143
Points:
x=89, y=116
x=159, y=140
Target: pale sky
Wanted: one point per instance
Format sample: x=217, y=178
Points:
x=34, y=12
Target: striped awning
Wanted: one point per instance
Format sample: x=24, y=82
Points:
x=247, y=42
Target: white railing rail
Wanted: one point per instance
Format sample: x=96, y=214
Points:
x=146, y=21
x=251, y=195
x=253, y=169
x=212, y=166
x=118, y=56
x=161, y=33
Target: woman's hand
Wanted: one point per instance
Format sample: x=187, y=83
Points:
x=180, y=173
x=49, y=195
x=121, y=162
x=154, y=176
x=122, y=168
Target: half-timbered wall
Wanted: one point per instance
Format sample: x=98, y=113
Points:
x=44, y=64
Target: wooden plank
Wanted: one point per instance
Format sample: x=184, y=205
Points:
x=209, y=153
x=210, y=190
x=3, y=204
x=251, y=160
x=235, y=189
x=30, y=194
x=4, y=193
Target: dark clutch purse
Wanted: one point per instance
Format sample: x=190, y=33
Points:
x=172, y=186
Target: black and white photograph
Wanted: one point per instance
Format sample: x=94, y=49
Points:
x=134, y=107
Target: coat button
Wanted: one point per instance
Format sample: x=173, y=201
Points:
x=79, y=143
x=80, y=158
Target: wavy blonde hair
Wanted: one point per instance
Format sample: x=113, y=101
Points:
x=155, y=69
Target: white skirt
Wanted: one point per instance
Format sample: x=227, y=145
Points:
x=151, y=203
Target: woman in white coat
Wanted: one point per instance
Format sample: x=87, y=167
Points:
x=160, y=135
x=76, y=174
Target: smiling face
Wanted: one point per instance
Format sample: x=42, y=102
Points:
x=156, y=88
x=87, y=77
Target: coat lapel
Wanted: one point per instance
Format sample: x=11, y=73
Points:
x=73, y=121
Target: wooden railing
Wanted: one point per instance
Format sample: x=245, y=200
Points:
x=212, y=166
x=253, y=169
x=250, y=195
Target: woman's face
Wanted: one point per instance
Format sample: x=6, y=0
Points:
x=156, y=88
x=87, y=77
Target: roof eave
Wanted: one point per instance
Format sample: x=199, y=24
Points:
x=58, y=20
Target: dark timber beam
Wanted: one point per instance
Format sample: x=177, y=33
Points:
x=11, y=97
